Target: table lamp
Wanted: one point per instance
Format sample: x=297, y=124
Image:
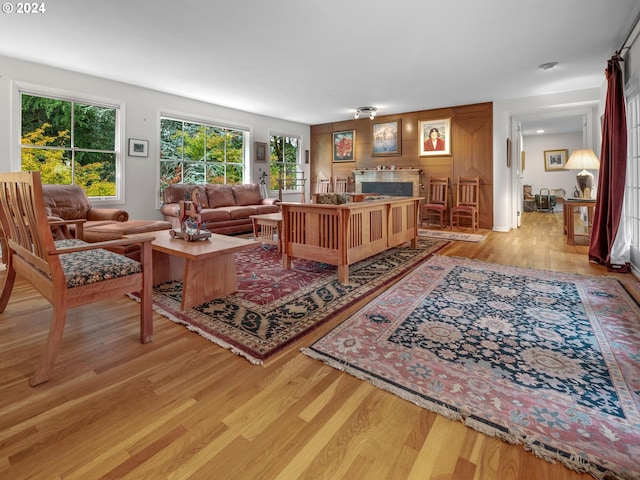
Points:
x=584, y=160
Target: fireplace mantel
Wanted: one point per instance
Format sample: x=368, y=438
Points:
x=409, y=175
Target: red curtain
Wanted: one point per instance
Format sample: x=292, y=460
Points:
x=613, y=168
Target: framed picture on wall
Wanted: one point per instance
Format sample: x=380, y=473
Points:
x=138, y=148
x=261, y=152
x=555, y=159
x=387, y=138
x=343, y=146
x=435, y=137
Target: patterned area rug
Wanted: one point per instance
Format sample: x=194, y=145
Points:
x=274, y=306
x=444, y=235
x=543, y=359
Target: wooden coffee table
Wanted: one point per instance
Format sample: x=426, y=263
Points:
x=207, y=268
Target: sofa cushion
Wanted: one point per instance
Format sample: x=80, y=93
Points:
x=247, y=194
x=66, y=201
x=263, y=209
x=214, y=215
x=219, y=195
x=183, y=191
x=241, y=212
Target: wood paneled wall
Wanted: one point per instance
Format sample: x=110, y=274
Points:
x=471, y=150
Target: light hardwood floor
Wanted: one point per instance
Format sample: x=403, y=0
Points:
x=181, y=407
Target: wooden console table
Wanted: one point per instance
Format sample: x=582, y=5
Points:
x=570, y=204
x=345, y=234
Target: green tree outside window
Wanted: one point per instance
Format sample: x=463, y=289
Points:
x=70, y=142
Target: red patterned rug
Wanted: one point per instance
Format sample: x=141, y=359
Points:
x=543, y=359
x=273, y=306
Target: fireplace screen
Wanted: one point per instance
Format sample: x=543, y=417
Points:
x=396, y=189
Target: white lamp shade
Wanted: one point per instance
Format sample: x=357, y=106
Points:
x=583, y=159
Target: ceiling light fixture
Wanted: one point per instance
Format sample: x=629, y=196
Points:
x=370, y=111
x=547, y=66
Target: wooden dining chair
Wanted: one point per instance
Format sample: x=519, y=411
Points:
x=468, y=191
x=324, y=185
x=340, y=185
x=437, y=203
x=67, y=273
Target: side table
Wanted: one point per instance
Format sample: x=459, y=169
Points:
x=569, y=217
x=267, y=227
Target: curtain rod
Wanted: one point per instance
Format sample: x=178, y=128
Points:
x=636, y=24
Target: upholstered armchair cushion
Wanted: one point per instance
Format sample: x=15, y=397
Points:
x=91, y=266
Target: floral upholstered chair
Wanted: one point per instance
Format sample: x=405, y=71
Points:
x=67, y=273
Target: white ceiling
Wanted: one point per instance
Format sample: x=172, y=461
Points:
x=315, y=62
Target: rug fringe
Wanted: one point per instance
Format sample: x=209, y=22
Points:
x=213, y=339
x=359, y=374
x=572, y=461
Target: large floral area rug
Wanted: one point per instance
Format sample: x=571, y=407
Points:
x=273, y=306
x=543, y=359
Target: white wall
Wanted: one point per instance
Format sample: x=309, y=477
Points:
x=142, y=109
x=535, y=174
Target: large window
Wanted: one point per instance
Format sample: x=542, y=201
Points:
x=285, y=162
x=198, y=153
x=70, y=141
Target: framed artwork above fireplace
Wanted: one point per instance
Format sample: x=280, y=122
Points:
x=387, y=138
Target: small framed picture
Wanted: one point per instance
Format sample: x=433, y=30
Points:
x=343, y=146
x=387, y=138
x=435, y=137
x=261, y=152
x=138, y=148
x=555, y=159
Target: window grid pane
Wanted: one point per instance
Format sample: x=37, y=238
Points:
x=284, y=168
x=198, y=153
x=70, y=142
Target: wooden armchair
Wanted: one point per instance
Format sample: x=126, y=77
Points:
x=68, y=273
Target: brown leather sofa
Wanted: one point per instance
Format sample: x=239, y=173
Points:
x=225, y=208
x=69, y=202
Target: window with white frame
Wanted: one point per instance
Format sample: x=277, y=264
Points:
x=198, y=153
x=285, y=162
x=71, y=141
